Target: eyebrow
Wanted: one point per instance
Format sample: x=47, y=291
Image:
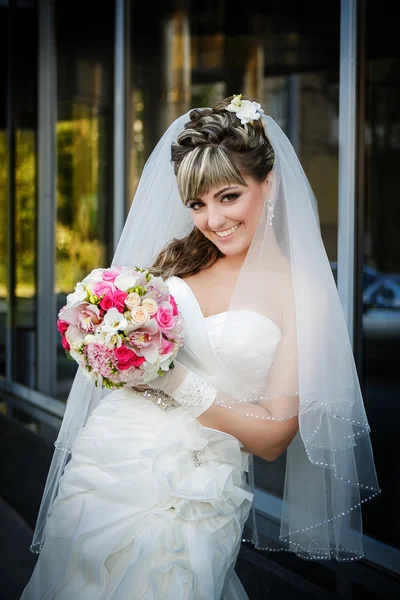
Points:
x=231, y=187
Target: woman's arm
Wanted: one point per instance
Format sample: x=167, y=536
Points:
x=262, y=437
x=267, y=438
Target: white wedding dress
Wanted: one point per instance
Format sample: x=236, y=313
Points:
x=152, y=504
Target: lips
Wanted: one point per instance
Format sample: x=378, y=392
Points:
x=227, y=232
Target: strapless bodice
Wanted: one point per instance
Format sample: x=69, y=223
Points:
x=226, y=346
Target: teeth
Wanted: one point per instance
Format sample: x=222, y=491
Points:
x=227, y=231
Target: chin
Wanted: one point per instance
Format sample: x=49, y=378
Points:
x=233, y=249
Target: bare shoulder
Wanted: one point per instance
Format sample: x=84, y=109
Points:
x=212, y=289
x=196, y=281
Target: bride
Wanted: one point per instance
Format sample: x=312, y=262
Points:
x=150, y=489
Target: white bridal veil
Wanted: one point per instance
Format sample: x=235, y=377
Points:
x=329, y=467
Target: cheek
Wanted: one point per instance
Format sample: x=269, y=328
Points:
x=199, y=220
x=251, y=212
x=257, y=212
x=251, y=218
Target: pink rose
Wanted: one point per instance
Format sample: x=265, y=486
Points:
x=110, y=275
x=62, y=326
x=167, y=346
x=102, y=288
x=124, y=365
x=65, y=344
x=119, y=300
x=165, y=319
x=127, y=358
x=123, y=353
x=136, y=361
x=107, y=302
x=174, y=305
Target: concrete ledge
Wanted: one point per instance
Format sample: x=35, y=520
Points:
x=25, y=459
x=16, y=562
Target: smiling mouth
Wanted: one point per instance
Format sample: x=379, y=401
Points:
x=227, y=232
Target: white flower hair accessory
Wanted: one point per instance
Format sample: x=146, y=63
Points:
x=246, y=111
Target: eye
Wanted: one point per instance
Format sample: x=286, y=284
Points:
x=230, y=197
x=194, y=205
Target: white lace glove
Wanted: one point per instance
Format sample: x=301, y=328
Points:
x=181, y=387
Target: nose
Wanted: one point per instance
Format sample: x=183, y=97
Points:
x=216, y=219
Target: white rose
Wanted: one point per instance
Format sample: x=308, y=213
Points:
x=125, y=282
x=140, y=315
x=132, y=300
x=78, y=296
x=150, y=305
x=113, y=321
x=249, y=112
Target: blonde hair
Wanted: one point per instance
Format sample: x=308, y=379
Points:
x=213, y=149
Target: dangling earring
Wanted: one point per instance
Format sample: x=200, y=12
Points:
x=271, y=206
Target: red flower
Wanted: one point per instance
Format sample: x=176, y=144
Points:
x=123, y=353
x=174, y=305
x=127, y=358
x=65, y=344
x=137, y=360
x=119, y=300
x=62, y=326
x=107, y=302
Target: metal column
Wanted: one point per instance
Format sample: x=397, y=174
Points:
x=11, y=192
x=347, y=160
x=47, y=108
x=119, y=119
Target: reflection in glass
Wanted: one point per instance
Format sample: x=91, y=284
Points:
x=25, y=255
x=81, y=228
x=84, y=224
x=210, y=53
x=3, y=248
x=379, y=298
x=80, y=211
x=18, y=193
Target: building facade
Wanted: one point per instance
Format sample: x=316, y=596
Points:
x=89, y=87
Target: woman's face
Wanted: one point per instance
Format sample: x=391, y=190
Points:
x=228, y=215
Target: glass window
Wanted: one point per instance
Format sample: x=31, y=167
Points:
x=18, y=194
x=85, y=50
x=196, y=53
x=3, y=189
x=379, y=274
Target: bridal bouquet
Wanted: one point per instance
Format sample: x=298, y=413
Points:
x=122, y=326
